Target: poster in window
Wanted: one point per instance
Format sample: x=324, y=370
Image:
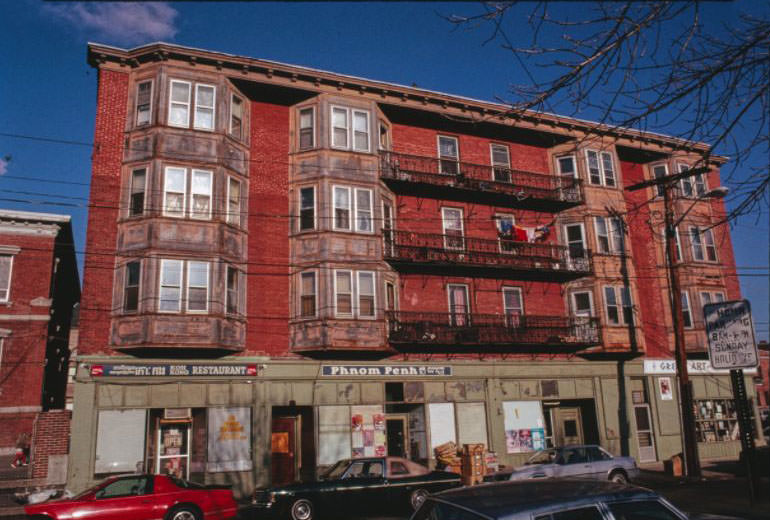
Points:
x=523, y=422
x=364, y=421
x=666, y=393
x=538, y=438
x=229, y=439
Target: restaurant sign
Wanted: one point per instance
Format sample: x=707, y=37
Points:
x=385, y=370
x=196, y=370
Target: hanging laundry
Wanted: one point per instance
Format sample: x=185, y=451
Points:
x=519, y=234
x=541, y=233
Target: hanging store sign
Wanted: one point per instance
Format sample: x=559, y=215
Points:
x=662, y=367
x=385, y=370
x=731, y=335
x=196, y=370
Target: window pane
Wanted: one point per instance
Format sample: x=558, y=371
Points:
x=180, y=92
x=686, y=314
x=582, y=303
x=143, y=102
x=659, y=172
x=500, y=156
x=199, y=274
x=711, y=250
x=236, y=117
x=131, y=293
x=138, y=180
x=201, y=194
x=175, y=179
x=593, y=167
x=628, y=306
x=307, y=209
x=609, y=169
x=366, y=294
x=306, y=133
x=617, y=235
x=567, y=166
x=340, y=127
x=234, y=201
x=232, y=290
x=697, y=245
x=601, y=235
x=361, y=130
x=341, y=208
x=307, y=289
x=611, y=303
x=344, y=292
x=5, y=276
x=448, y=147
x=204, y=107
x=363, y=210
x=171, y=272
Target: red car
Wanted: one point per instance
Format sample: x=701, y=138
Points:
x=141, y=497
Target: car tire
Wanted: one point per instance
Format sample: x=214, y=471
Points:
x=184, y=513
x=302, y=509
x=619, y=477
x=417, y=497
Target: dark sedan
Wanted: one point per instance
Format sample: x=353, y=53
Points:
x=356, y=487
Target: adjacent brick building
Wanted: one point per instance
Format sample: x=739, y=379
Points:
x=39, y=285
x=334, y=266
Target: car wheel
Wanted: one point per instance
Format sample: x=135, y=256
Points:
x=417, y=497
x=302, y=509
x=619, y=477
x=183, y=513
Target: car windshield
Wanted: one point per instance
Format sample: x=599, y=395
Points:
x=544, y=457
x=336, y=471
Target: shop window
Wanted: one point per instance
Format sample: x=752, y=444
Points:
x=334, y=434
x=137, y=190
x=143, y=103
x=448, y=155
x=131, y=286
x=501, y=162
x=236, y=117
x=307, y=208
x=716, y=420
x=601, y=169
x=394, y=392
x=307, y=128
x=229, y=439
x=120, y=441
x=523, y=423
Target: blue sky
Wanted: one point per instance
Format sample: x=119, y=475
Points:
x=48, y=90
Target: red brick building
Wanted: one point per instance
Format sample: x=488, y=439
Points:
x=38, y=288
x=338, y=267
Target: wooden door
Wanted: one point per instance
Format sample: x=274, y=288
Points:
x=568, y=427
x=644, y=434
x=397, y=436
x=284, y=453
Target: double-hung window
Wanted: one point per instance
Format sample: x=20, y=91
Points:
x=581, y=304
x=233, y=201
x=180, y=101
x=232, y=296
x=131, y=286
x=703, y=245
x=452, y=219
x=618, y=305
x=353, y=209
x=686, y=310
x=308, y=291
x=694, y=186
x=448, y=155
x=576, y=245
x=307, y=128
x=567, y=167
x=512, y=306
x=137, y=190
x=659, y=171
x=609, y=235
x=354, y=294
x=350, y=129
x=501, y=162
x=342, y=208
x=188, y=279
x=711, y=297
x=601, y=168
x=307, y=208
x=505, y=234
x=176, y=202
x=204, y=107
x=143, y=103
x=6, y=265
x=236, y=117
x=364, y=211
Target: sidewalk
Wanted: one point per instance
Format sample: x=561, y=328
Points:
x=722, y=491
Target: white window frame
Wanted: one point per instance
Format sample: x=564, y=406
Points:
x=711, y=296
x=687, y=310
x=468, y=313
x=315, y=295
x=613, y=227
x=146, y=171
x=337, y=313
x=600, y=158
x=357, y=210
x=300, y=128
x=234, y=217
x=191, y=210
x=444, y=228
x=573, y=302
x=315, y=210
x=138, y=286
x=352, y=139
x=234, y=96
x=166, y=212
x=7, y=289
x=700, y=240
x=238, y=283
x=519, y=295
x=189, y=285
x=660, y=188
x=583, y=239
x=163, y=263
x=391, y=283
x=697, y=183
x=495, y=166
x=709, y=244
x=498, y=218
x=171, y=102
x=136, y=100
x=213, y=108
x=571, y=156
x=618, y=293
x=357, y=307
x=455, y=159
x=332, y=127
x=351, y=212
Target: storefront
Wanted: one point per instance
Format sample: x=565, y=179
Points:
x=254, y=421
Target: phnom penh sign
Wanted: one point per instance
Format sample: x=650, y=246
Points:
x=730, y=334
x=385, y=370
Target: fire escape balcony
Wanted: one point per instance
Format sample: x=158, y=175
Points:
x=414, y=331
x=454, y=180
x=424, y=252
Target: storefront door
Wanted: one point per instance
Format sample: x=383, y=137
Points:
x=173, y=455
x=397, y=435
x=644, y=435
x=284, y=465
x=568, y=426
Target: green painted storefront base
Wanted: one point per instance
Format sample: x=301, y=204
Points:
x=602, y=386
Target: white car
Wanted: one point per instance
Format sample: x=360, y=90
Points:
x=577, y=462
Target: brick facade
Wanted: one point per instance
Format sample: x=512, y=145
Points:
x=50, y=437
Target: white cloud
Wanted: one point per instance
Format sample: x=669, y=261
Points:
x=3, y=166
x=118, y=22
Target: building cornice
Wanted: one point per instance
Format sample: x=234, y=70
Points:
x=391, y=93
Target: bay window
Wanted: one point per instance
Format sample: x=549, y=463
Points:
x=143, y=102
x=350, y=129
x=609, y=235
x=601, y=169
x=186, y=278
x=351, y=205
x=618, y=306
x=354, y=294
x=131, y=286
x=307, y=128
x=137, y=190
x=236, y=117
x=179, y=103
x=308, y=295
x=343, y=293
x=204, y=107
x=307, y=208
x=233, y=201
x=703, y=245
x=175, y=197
